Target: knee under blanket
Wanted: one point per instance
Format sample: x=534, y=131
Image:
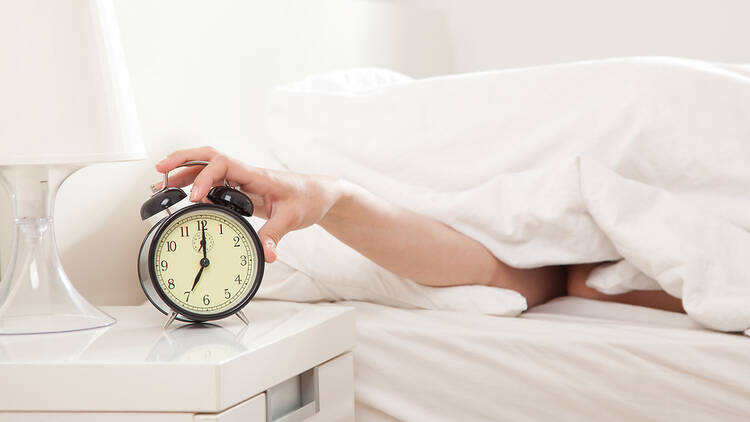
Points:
x=642, y=163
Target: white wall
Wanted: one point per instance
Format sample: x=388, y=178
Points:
x=490, y=34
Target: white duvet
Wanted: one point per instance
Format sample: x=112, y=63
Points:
x=643, y=163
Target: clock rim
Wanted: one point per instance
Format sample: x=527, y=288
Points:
x=189, y=314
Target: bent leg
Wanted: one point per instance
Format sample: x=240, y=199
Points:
x=576, y=283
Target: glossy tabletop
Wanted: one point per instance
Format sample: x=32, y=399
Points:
x=136, y=365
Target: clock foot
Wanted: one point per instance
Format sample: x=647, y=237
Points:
x=241, y=315
x=171, y=318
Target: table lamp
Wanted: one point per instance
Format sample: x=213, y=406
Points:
x=65, y=102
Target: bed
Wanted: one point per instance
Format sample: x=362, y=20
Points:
x=569, y=359
x=630, y=162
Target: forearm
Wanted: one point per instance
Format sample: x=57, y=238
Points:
x=409, y=244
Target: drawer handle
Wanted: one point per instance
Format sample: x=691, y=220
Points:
x=295, y=399
x=298, y=415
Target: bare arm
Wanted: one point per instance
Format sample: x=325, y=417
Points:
x=409, y=244
x=406, y=243
x=427, y=251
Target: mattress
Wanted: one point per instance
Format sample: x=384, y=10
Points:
x=569, y=359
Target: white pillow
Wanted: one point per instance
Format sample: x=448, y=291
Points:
x=313, y=266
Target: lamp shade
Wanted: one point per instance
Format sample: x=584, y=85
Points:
x=65, y=92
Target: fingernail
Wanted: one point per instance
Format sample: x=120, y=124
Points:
x=271, y=244
x=194, y=193
x=155, y=187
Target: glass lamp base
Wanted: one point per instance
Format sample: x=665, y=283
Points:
x=36, y=295
x=53, y=323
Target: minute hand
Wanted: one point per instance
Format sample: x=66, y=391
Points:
x=204, y=261
x=203, y=240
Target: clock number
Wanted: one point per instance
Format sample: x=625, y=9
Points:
x=221, y=228
x=227, y=294
x=238, y=279
x=202, y=224
x=206, y=300
x=171, y=246
x=236, y=241
x=164, y=265
x=170, y=283
x=184, y=231
x=187, y=295
x=243, y=260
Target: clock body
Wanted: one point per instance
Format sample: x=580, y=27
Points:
x=204, y=262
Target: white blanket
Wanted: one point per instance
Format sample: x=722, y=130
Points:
x=641, y=162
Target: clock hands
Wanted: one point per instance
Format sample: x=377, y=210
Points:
x=204, y=261
x=198, y=277
x=203, y=241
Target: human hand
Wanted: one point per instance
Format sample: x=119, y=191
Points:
x=288, y=201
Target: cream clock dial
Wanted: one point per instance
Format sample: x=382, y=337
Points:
x=205, y=262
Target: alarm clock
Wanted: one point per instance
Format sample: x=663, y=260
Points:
x=199, y=261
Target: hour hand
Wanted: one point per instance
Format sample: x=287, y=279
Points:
x=197, y=277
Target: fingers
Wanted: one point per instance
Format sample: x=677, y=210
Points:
x=215, y=171
x=180, y=179
x=253, y=180
x=259, y=205
x=178, y=157
x=271, y=233
x=184, y=177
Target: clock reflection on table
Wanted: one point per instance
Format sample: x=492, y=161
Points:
x=198, y=343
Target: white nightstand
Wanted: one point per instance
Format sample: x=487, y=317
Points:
x=292, y=363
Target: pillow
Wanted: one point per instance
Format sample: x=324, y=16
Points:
x=314, y=266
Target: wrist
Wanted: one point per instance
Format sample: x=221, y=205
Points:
x=342, y=194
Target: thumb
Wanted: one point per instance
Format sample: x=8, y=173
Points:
x=271, y=233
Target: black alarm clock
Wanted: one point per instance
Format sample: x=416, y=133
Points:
x=199, y=261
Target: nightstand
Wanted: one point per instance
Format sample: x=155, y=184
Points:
x=292, y=363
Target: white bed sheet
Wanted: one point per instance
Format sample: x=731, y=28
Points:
x=570, y=359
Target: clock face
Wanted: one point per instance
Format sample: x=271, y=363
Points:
x=206, y=262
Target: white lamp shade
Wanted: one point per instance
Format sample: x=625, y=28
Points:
x=64, y=88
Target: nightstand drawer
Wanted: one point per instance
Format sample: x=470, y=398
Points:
x=335, y=403
x=336, y=390
x=331, y=398
x=251, y=410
